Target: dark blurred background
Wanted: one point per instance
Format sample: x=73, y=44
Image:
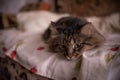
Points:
x=9, y=8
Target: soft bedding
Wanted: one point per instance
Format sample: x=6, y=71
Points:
x=29, y=50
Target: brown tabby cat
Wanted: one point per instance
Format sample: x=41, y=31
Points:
x=72, y=36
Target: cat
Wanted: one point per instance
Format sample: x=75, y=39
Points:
x=71, y=36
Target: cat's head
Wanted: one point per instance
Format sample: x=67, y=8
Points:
x=72, y=36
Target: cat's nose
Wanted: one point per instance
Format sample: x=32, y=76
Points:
x=69, y=57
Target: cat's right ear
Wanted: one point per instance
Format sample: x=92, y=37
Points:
x=53, y=29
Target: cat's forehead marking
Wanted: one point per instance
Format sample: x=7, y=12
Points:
x=71, y=39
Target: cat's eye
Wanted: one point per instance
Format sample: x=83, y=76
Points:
x=89, y=44
x=80, y=45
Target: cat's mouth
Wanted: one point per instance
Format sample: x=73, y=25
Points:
x=73, y=57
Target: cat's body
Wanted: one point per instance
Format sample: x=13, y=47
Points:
x=80, y=29
x=71, y=36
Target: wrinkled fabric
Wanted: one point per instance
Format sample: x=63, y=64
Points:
x=30, y=51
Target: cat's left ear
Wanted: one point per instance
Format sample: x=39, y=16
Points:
x=88, y=29
x=94, y=37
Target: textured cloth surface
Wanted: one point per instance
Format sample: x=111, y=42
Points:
x=28, y=49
